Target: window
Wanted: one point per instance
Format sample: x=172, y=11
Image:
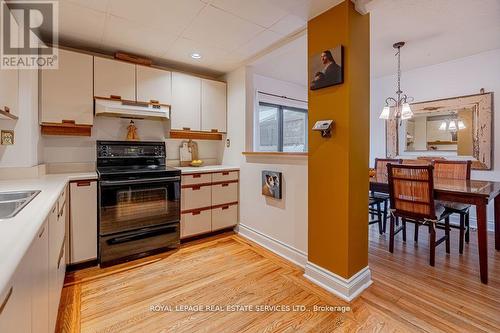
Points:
x=281, y=128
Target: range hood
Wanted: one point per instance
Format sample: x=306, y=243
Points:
x=132, y=110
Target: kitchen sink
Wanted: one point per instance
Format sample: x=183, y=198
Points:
x=12, y=203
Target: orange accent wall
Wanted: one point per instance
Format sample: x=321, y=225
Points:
x=338, y=166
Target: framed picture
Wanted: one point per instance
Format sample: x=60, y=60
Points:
x=327, y=68
x=7, y=137
x=271, y=184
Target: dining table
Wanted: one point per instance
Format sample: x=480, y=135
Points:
x=473, y=192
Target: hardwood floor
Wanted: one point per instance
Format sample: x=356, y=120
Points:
x=407, y=294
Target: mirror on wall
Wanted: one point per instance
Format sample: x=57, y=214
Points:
x=453, y=128
x=448, y=131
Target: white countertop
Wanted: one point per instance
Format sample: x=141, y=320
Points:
x=17, y=233
x=208, y=168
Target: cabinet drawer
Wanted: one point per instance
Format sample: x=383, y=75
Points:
x=196, y=197
x=224, y=193
x=196, y=223
x=224, y=217
x=199, y=178
x=224, y=176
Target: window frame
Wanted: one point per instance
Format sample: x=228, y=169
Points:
x=281, y=109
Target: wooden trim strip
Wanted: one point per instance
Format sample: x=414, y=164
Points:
x=197, y=210
x=197, y=135
x=119, y=99
x=261, y=153
x=66, y=128
x=209, y=172
x=196, y=186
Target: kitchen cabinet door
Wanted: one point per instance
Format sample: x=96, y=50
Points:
x=9, y=85
x=224, y=217
x=186, y=102
x=114, y=78
x=83, y=221
x=213, y=105
x=16, y=313
x=154, y=85
x=66, y=93
x=56, y=222
x=39, y=252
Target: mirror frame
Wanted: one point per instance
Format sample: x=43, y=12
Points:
x=482, y=106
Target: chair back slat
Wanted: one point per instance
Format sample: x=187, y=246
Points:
x=452, y=169
x=411, y=190
x=381, y=164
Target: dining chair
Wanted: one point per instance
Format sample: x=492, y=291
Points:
x=411, y=191
x=381, y=198
x=456, y=170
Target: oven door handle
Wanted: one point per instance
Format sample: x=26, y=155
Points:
x=141, y=235
x=139, y=181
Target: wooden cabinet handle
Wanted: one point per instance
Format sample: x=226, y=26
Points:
x=225, y=185
x=198, y=212
x=115, y=97
x=6, y=300
x=83, y=183
x=54, y=209
x=225, y=173
x=41, y=233
x=186, y=128
x=197, y=175
x=154, y=101
x=6, y=109
x=225, y=207
x=196, y=188
x=60, y=256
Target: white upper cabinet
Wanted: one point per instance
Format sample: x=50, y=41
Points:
x=9, y=86
x=66, y=93
x=213, y=105
x=186, y=102
x=114, y=78
x=154, y=85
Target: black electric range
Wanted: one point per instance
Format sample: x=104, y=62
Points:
x=139, y=200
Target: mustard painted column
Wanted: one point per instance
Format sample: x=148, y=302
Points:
x=338, y=166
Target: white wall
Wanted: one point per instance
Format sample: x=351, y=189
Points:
x=463, y=76
x=279, y=224
x=25, y=151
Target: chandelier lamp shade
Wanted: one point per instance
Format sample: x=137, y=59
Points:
x=397, y=107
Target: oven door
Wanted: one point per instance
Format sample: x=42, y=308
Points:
x=126, y=205
x=137, y=244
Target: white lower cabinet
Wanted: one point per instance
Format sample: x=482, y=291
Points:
x=57, y=267
x=40, y=287
x=207, y=204
x=83, y=221
x=195, y=223
x=224, y=217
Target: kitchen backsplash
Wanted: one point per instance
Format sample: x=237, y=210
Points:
x=60, y=149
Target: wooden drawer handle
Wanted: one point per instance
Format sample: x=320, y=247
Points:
x=196, y=188
x=6, y=300
x=115, y=97
x=186, y=128
x=154, y=101
x=225, y=185
x=83, y=183
x=197, y=176
x=225, y=207
x=225, y=173
x=54, y=209
x=61, y=253
x=41, y=233
x=6, y=109
x=198, y=212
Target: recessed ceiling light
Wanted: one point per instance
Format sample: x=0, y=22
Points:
x=195, y=55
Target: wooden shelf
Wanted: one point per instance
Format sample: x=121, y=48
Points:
x=6, y=115
x=195, y=135
x=272, y=153
x=66, y=128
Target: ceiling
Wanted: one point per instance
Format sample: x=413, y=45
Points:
x=225, y=32
x=435, y=31
x=287, y=63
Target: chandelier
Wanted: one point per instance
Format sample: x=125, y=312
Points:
x=454, y=124
x=400, y=106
